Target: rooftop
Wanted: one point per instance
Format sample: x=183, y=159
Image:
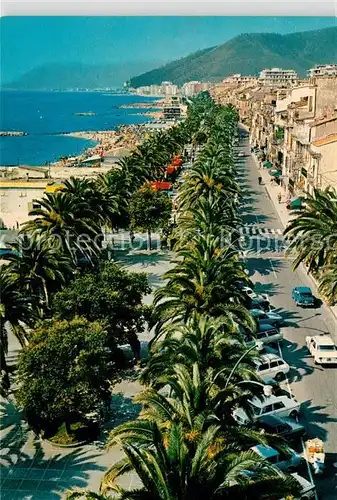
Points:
x=325, y=140
x=324, y=340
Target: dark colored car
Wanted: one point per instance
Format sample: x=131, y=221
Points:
x=302, y=296
x=283, y=427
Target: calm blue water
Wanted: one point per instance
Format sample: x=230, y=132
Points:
x=43, y=115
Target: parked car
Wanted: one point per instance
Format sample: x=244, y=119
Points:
x=258, y=303
x=284, y=460
x=276, y=388
x=283, y=427
x=253, y=295
x=308, y=489
x=241, y=154
x=267, y=334
x=271, y=366
x=281, y=406
x=302, y=296
x=323, y=349
x=269, y=318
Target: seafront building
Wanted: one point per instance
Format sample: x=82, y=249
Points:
x=293, y=128
x=189, y=89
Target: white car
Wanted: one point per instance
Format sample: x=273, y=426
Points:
x=269, y=318
x=268, y=334
x=323, y=349
x=286, y=460
x=308, y=489
x=282, y=406
x=271, y=366
x=241, y=154
x=253, y=295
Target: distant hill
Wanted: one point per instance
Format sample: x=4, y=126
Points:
x=73, y=75
x=248, y=54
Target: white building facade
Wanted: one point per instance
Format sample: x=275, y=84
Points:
x=277, y=77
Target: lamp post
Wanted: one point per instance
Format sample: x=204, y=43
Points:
x=254, y=346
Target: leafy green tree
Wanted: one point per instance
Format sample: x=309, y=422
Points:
x=111, y=294
x=150, y=211
x=64, y=372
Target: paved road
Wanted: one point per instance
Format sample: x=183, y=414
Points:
x=314, y=386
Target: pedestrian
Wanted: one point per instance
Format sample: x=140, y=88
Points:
x=260, y=180
x=279, y=197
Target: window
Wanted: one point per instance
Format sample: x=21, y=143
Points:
x=268, y=409
x=261, y=335
x=280, y=362
x=274, y=364
x=327, y=348
x=264, y=366
x=278, y=406
x=310, y=103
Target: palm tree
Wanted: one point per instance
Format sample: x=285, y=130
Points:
x=115, y=187
x=211, y=342
x=39, y=266
x=69, y=222
x=313, y=230
x=80, y=494
x=173, y=469
x=328, y=283
x=204, y=282
x=16, y=313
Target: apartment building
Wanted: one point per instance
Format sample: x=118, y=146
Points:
x=294, y=128
x=277, y=77
x=240, y=79
x=323, y=70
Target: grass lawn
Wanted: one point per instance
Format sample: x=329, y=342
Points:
x=79, y=432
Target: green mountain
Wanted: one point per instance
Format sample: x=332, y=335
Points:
x=74, y=75
x=248, y=54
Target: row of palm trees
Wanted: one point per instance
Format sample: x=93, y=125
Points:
x=312, y=236
x=185, y=443
x=67, y=227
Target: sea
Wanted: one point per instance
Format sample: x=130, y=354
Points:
x=46, y=115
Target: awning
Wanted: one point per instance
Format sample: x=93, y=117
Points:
x=268, y=164
x=276, y=173
x=296, y=203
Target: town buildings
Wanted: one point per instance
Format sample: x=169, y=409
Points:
x=277, y=77
x=293, y=128
x=323, y=70
x=189, y=89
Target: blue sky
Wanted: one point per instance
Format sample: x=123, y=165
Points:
x=28, y=42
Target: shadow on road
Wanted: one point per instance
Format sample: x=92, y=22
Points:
x=263, y=266
x=268, y=288
x=314, y=418
x=296, y=356
x=31, y=469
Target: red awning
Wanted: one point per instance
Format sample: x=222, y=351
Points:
x=158, y=185
x=171, y=169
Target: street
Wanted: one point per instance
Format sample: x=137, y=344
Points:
x=271, y=272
